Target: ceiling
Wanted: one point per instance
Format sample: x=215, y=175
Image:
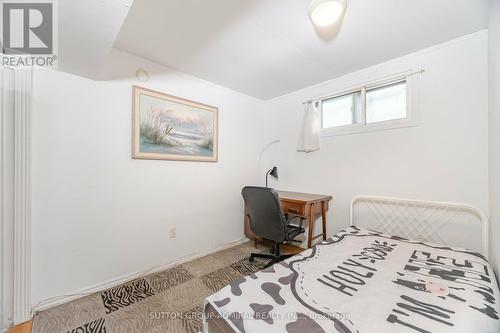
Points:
x=87, y=32
x=267, y=48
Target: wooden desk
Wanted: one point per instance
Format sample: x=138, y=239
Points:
x=305, y=205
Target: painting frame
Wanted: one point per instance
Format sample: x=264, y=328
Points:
x=137, y=92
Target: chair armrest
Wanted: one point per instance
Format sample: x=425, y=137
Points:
x=289, y=219
x=293, y=231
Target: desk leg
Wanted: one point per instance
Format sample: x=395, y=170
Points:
x=311, y=226
x=323, y=218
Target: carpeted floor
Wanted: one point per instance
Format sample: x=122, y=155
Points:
x=168, y=301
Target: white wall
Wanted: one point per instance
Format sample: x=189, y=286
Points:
x=98, y=214
x=445, y=158
x=494, y=130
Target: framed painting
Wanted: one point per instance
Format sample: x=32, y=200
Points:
x=166, y=127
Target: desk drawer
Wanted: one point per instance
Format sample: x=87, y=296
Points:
x=293, y=208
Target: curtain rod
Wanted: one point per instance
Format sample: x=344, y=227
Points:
x=356, y=88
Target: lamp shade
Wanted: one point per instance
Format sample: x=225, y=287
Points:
x=325, y=13
x=274, y=172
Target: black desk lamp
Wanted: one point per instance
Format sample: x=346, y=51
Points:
x=273, y=172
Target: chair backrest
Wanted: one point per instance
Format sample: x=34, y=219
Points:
x=264, y=211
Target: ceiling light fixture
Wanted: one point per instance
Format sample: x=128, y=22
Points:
x=324, y=13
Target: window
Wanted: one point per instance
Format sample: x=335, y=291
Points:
x=340, y=111
x=372, y=107
x=386, y=103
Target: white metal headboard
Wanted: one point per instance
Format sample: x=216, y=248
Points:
x=450, y=224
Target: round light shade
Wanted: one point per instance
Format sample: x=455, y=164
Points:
x=324, y=13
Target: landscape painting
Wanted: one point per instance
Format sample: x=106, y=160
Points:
x=171, y=128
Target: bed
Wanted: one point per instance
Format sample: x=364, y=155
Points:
x=401, y=266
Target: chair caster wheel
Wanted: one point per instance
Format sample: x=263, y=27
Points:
x=251, y=259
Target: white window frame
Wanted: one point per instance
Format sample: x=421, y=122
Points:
x=412, y=90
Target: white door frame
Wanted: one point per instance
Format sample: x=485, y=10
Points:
x=15, y=195
x=6, y=197
x=23, y=79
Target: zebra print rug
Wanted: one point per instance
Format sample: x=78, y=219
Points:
x=167, y=301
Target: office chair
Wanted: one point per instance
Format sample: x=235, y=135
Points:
x=268, y=221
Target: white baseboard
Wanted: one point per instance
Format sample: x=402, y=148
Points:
x=54, y=301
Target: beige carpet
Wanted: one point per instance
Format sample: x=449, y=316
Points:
x=168, y=301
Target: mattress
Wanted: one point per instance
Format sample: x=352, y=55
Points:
x=365, y=281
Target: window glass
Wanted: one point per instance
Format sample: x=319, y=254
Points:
x=339, y=111
x=386, y=103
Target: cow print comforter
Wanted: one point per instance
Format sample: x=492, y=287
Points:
x=366, y=281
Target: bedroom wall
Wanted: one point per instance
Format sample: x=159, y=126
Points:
x=494, y=130
x=445, y=158
x=99, y=215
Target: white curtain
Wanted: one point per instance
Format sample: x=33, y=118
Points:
x=309, y=140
